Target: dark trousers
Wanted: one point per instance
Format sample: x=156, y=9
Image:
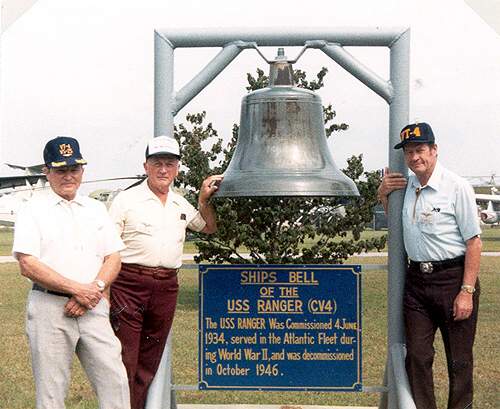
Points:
x=142, y=311
x=428, y=305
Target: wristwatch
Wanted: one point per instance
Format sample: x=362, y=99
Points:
x=101, y=285
x=469, y=289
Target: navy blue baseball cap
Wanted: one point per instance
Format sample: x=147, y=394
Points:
x=62, y=151
x=420, y=132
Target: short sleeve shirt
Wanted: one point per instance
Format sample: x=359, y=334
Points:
x=440, y=218
x=153, y=233
x=71, y=237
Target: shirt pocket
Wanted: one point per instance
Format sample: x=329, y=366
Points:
x=176, y=224
x=435, y=216
x=93, y=235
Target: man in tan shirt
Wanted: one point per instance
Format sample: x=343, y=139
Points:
x=152, y=222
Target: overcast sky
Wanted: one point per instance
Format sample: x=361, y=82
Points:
x=84, y=68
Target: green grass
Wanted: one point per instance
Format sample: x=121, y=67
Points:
x=490, y=237
x=6, y=236
x=16, y=384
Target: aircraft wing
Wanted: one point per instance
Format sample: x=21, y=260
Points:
x=30, y=170
x=14, y=181
x=488, y=198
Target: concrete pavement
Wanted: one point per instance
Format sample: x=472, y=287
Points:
x=184, y=406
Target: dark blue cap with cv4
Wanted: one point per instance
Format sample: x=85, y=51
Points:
x=62, y=151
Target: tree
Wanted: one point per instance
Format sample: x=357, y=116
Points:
x=276, y=230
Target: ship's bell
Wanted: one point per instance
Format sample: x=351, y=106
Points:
x=281, y=148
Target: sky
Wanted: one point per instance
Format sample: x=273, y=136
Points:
x=84, y=68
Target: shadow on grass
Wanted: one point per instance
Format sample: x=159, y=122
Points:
x=188, y=299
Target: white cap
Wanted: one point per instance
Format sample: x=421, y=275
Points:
x=163, y=145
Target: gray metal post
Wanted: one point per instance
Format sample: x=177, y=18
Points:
x=282, y=36
x=399, y=379
x=362, y=73
x=164, y=86
x=207, y=75
x=398, y=118
x=159, y=393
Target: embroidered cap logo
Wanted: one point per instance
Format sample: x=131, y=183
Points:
x=407, y=133
x=65, y=149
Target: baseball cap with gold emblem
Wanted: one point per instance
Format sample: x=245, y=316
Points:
x=416, y=133
x=62, y=151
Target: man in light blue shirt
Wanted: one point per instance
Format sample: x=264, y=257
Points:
x=441, y=237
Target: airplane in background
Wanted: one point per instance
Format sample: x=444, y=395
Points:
x=15, y=190
x=32, y=176
x=489, y=206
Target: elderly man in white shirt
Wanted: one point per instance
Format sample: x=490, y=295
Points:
x=67, y=246
x=152, y=222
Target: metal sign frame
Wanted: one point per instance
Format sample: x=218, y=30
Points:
x=394, y=91
x=256, y=311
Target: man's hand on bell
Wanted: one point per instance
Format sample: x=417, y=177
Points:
x=88, y=295
x=209, y=187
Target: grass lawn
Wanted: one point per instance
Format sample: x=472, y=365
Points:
x=6, y=236
x=16, y=384
x=490, y=237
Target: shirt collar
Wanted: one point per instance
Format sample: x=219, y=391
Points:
x=148, y=194
x=55, y=199
x=433, y=182
x=435, y=179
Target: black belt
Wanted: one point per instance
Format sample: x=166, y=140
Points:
x=38, y=287
x=435, y=266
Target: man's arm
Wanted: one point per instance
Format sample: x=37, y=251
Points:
x=110, y=269
x=462, y=307
x=390, y=182
x=88, y=295
x=207, y=211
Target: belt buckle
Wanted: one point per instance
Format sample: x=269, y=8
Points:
x=426, y=267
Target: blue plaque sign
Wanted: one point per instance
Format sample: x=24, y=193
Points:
x=280, y=327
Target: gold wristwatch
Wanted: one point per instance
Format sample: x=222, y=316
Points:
x=469, y=289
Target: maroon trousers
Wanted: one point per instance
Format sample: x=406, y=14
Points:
x=142, y=311
x=428, y=305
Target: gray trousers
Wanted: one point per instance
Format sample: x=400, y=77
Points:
x=54, y=338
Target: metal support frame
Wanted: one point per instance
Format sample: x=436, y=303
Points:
x=395, y=92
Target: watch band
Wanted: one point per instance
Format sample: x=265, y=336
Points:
x=468, y=289
x=100, y=284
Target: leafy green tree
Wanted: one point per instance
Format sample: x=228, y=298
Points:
x=276, y=229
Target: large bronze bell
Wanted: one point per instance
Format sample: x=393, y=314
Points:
x=282, y=148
